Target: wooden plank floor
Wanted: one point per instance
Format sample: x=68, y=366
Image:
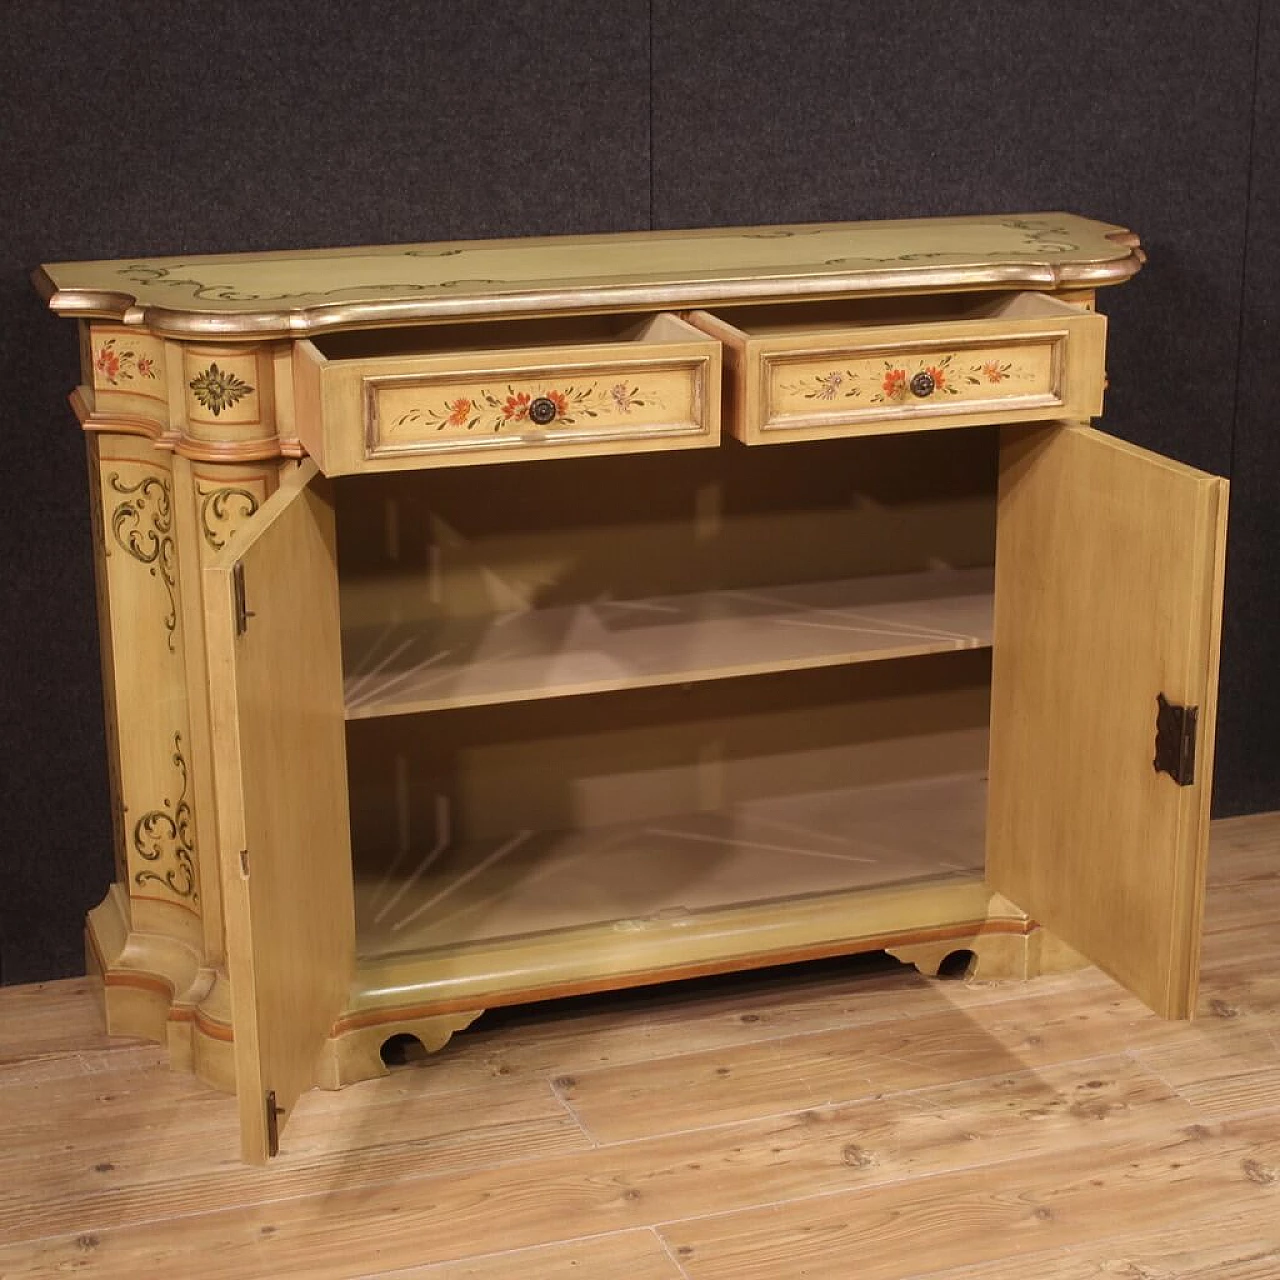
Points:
x=845, y=1121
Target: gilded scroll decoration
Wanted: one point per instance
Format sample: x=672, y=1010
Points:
x=222, y=510
x=218, y=389
x=142, y=526
x=166, y=837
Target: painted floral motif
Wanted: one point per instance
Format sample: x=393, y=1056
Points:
x=892, y=384
x=897, y=383
x=114, y=366
x=218, y=389
x=493, y=410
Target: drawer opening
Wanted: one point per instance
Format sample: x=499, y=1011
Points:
x=497, y=335
x=468, y=588
x=822, y=316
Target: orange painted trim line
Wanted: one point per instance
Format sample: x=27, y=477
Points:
x=213, y=1030
x=139, y=982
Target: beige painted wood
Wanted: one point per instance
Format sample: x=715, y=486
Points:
x=468, y=977
x=472, y=544
x=1041, y=1143
x=1108, y=593
x=141, y=579
x=632, y=875
x=440, y=396
x=830, y=370
x=646, y=756
x=285, y=294
x=280, y=772
x=733, y=783
x=627, y=644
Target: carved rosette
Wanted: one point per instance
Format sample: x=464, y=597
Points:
x=229, y=402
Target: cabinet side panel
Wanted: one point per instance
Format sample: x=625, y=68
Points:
x=141, y=582
x=1108, y=573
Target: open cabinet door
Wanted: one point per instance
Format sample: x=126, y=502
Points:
x=1108, y=599
x=275, y=674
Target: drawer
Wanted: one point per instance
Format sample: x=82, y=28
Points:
x=860, y=369
x=447, y=395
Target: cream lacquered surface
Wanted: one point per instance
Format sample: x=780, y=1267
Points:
x=463, y=650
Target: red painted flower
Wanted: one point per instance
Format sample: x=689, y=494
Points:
x=895, y=383
x=517, y=407
x=993, y=372
x=939, y=378
x=108, y=364
x=459, y=411
x=146, y=367
x=561, y=404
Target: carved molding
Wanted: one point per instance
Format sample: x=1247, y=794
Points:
x=198, y=299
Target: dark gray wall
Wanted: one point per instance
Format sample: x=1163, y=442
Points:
x=171, y=126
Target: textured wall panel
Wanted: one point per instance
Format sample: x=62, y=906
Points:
x=1248, y=744
x=159, y=127
x=767, y=112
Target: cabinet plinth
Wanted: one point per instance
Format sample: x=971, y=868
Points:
x=399, y=734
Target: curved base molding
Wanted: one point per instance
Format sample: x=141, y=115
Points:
x=356, y=1054
x=155, y=988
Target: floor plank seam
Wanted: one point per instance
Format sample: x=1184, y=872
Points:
x=593, y=1142
x=921, y=1180
x=402, y=1180
x=493, y=1255
x=1017, y=1070
x=1010, y=991
x=1199, y=1220
x=670, y=1252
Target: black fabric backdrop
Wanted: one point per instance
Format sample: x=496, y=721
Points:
x=172, y=126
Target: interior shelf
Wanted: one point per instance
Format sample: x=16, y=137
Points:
x=668, y=869
x=609, y=644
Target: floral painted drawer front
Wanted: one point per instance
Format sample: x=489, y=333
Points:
x=891, y=383
x=425, y=413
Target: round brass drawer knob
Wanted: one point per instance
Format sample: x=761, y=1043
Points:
x=542, y=411
x=922, y=384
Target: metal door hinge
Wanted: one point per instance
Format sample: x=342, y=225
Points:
x=1176, y=740
x=274, y=1113
x=243, y=612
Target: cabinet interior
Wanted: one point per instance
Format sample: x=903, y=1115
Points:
x=463, y=337
x=789, y=320
x=521, y=762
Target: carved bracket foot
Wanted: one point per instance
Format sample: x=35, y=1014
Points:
x=992, y=957
x=364, y=1053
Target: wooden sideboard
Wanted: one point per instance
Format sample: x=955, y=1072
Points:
x=823, y=624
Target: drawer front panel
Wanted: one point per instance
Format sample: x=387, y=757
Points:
x=929, y=379
x=514, y=409
x=1026, y=358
